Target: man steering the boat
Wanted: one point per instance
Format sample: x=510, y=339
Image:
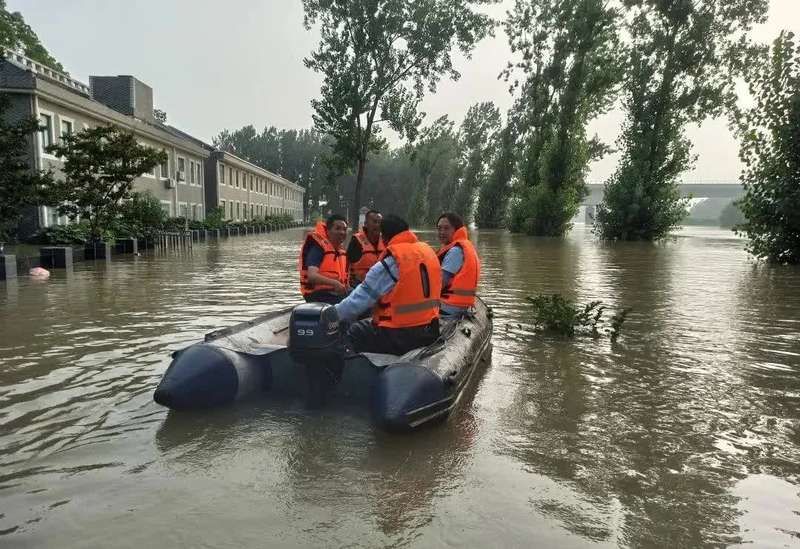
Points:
x=323, y=262
x=403, y=290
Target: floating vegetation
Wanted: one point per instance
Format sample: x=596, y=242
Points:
x=556, y=314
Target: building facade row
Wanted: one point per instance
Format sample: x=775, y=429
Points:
x=245, y=191
x=195, y=177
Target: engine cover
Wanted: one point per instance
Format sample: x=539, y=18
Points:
x=314, y=334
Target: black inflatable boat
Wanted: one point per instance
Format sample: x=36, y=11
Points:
x=298, y=352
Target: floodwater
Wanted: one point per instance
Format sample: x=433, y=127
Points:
x=683, y=433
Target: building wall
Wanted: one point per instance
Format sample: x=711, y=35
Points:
x=246, y=191
x=185, y=197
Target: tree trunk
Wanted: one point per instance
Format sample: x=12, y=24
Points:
x=362, y=163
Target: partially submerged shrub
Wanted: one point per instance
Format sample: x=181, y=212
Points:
x=558, y=315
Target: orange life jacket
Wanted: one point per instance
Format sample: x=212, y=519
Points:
x=369, y=255
x=334, y=261
x=414, y=300
x=463, y=286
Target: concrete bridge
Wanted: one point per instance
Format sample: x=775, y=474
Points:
x=709, y=197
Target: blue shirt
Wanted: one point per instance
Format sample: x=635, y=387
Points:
x=380, y=280
x=451, y=264
x=313, y=255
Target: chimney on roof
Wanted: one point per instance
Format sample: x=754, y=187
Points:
x=124, y=94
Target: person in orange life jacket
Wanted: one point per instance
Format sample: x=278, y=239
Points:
x=403, y=290
x=461, y=266
x=365, y=247
x=323, y=262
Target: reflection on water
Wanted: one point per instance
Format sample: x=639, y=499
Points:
x=684, y=433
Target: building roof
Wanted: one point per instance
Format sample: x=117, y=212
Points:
x=56, y=85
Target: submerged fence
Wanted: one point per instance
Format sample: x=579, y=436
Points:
x=63, y=257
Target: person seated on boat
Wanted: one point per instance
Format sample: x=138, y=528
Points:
x=323, y=262
x=402, y=289
x=365, y=247
x=461, y=267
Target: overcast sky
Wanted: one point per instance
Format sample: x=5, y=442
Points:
x=215, y=65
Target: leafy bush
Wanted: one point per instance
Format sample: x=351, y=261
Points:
x=75, y=233
x=558, y=315
x=140, y=216
x=215, y=218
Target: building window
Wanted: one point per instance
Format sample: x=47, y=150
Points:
x=238, y=209
x=237, y=178
x=166, y=205
x=182, y=168
x=46, y=130
x=251, y=182
x=66, y=127
x=221, y=174
x=165, y=169
x=222, y=206
x=192, y=179
x=184, y=209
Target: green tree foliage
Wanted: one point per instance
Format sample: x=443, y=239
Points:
x=495, y=192
x=378, y=57
x=141, y=215
x=683, y=58
x=478, y=137
x=436, y=157
x=100, y=165
x=387, y=184
x=770, y=150
x=15, y=34
x=571, y=62
x=297, y=155
x=20, y=187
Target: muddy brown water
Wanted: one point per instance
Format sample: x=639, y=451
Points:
x=683, y=433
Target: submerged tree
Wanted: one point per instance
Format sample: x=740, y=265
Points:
x=571, y=61
x=20, y=187
x=478, y=141
x=100, y=165
x=683, y=58
x=435, y=155
x=495, y=192
x=770, y=150
x=378, y=57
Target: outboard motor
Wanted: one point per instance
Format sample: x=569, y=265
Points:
x=315, y=342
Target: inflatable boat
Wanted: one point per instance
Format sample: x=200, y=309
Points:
x=300, y=352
